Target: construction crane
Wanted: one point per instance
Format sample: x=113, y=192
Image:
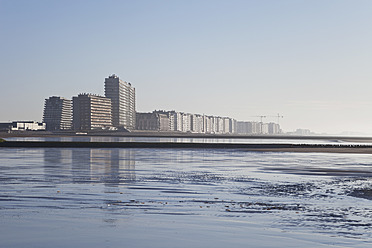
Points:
x=277, y=116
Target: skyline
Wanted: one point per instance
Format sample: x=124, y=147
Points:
x=307, y=61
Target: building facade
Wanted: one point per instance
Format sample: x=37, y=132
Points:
x=57, y=113
x=197, y=123
x=155, y=121
x=123, y=99
x=91, y=112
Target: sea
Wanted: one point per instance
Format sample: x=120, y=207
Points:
x=80, y=197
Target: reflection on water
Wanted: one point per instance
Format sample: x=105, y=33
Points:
x=109, y=166
x=162, y=197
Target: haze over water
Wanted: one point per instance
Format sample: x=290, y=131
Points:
x=182, y=198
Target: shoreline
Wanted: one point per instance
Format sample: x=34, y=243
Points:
x=303, y=148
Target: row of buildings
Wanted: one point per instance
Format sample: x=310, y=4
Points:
x=115, y=110
x=184, y=122
x=196, y=123
x=251, y=127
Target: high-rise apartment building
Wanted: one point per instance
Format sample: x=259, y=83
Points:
x=122, y=96
x=91, y=112
x=57, y=113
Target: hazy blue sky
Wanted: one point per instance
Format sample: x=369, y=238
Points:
x=307, y=60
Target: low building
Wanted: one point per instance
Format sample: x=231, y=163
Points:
x=146, y=121
x=5, y=126
x=155, y=121
x=22, y=126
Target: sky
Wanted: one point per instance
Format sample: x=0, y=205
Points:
x=309, y=61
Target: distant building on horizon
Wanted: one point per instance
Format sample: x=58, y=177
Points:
x=123, y=99
x=57, y=113
x=252, y=127
x=301, y=131
x=91, y=112
x=274, y=128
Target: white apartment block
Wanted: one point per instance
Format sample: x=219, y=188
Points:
x=178, y=118
x=197, y=123
x=172, y=121
x=264, y=128
x=214, y=124
x=274, y=128
x=220, y=125
x=123, y=99
x=175, y=120
x=233, y=127
x=207, y=124
x=186, y=122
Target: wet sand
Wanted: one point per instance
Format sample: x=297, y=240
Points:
x=166, y=198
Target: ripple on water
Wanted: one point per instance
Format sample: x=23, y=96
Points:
x=310, y=193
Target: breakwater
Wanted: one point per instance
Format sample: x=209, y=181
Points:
x=331, y=148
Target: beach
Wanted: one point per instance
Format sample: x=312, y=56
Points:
x=182, y=197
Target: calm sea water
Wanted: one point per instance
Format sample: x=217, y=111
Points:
x=183, y=198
